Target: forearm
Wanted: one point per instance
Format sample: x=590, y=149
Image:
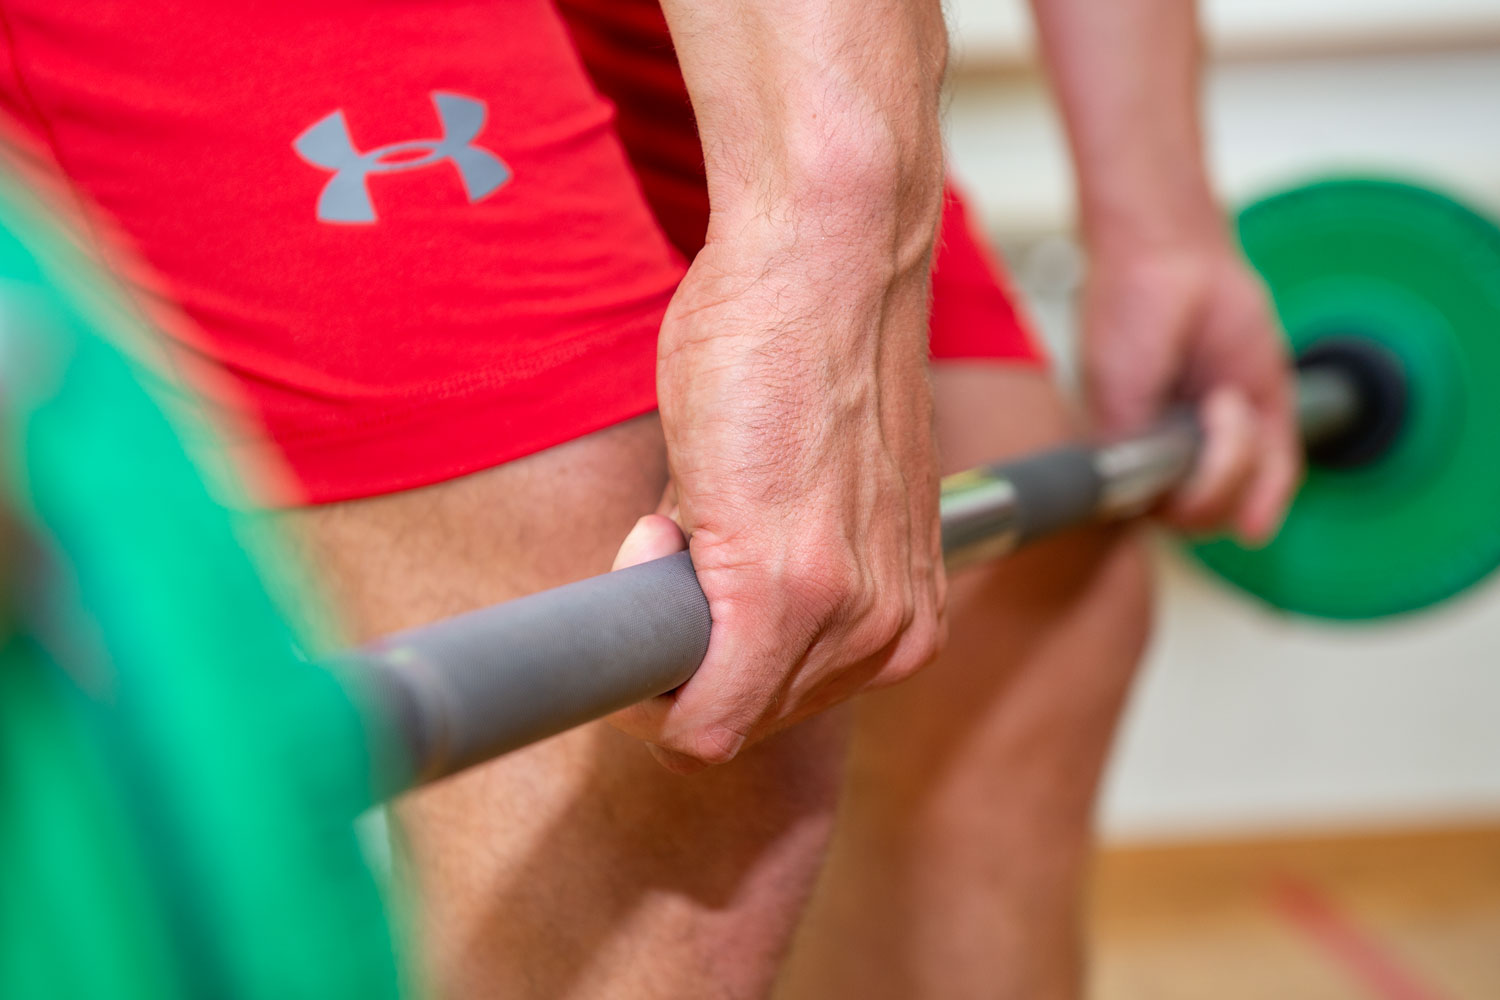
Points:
x=1126, y=74
x=1171, y=311
x=819, y=123
x=792, y=375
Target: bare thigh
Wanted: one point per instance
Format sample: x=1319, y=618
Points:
x=577, y=867
x=961, y=848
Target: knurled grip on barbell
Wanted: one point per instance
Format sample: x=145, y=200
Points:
x=483, y=683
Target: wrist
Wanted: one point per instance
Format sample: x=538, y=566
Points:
x=865, y=225
x=1120, y=222
x=801, y=276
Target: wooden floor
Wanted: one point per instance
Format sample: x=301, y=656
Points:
x=1398, y=916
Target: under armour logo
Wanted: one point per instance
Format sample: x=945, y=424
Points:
x=346, y=197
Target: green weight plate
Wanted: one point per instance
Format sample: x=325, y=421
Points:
x=178, y=782
x=1420, y=274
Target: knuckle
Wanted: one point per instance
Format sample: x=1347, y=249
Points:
x=822, y=589
x=889, y=620
x=919, y=647
x=901, y=668
x=936, y=637
x=927, y=639
x=674, y=761
x=909, y=611
x=831, y=590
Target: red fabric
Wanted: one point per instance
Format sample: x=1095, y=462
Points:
x=974, y=315
x=446, y=336
x=628, y=51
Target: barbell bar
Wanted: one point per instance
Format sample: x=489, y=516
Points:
x=480, y=684
x=1390, y=297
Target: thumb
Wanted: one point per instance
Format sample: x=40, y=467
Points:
x=653, y=537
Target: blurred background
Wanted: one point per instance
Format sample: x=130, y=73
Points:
x=1295, y=808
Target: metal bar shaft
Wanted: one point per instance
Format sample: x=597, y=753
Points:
x=469, y=688
x=987, y=512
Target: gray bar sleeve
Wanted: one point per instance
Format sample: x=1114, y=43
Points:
x=471, y=687
x=1053, y=490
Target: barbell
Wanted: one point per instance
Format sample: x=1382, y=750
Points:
x=183, y=754
x=481, y=684
x=1391, y=297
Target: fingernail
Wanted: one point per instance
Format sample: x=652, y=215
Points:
x=727, y=739
x=676, y=763
x=626, y=555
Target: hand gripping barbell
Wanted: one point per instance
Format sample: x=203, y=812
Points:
x=480, y=684
x=1391, y=295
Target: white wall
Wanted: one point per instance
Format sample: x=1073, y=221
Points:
x=996, y=30
x=1250, y=720
x=1246, y=719
x=1433, y=115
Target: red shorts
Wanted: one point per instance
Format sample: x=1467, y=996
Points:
x=413, y=231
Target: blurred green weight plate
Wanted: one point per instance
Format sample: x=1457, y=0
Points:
x=177, y=782
x=1420, y=274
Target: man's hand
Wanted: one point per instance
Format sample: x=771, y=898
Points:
x=1172, y=312
x=1193, y=325
x=798, y=417
x=792, y=363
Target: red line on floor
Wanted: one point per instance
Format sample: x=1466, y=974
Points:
x=1319, y=919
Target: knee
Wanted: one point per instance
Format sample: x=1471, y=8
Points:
x=1104, y=572
x=1079, y=605
x=1106, y=593
x=1110, y=581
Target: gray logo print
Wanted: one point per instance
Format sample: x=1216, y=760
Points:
x=346, y=198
